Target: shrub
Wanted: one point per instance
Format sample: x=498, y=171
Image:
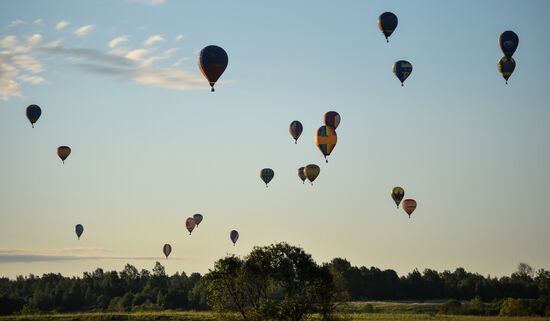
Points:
x=515, y=308
x=451, y=307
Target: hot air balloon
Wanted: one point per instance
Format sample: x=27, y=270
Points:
x=506, y=67
x=33, y=113
x=295, y=130
x=301, y=174
x=190, y=224
x=312, y=171
x=409, y=205
x=234, y=236
x=326, y=140
x=63, y=152
x=397, y=193
x=332, y=119
x=212, y=62
x=267, y=175
x=79, y=229
x=508, y=42
x=402, y=69
x=167, y=249
x=387, y=22
x=198, y=219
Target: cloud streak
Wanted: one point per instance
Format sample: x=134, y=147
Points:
x=61, y=24
x=67, y=254
x=84, y=30
x=117, y=41
x=6, y=259
x=132, y=67
x=16, y=23
x=153, y=40
x=20, y=62
x=18, y=65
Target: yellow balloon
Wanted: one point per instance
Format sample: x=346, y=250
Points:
x=397, y=193
x=312, y=171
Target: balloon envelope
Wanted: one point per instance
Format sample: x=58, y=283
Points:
x=387, y=22
x=331, y=119
x=167, y=249
x=79, y=229
x=33, y=113
x=326, y=139
x=212, y=62
x=198, y=218
x=234, y=236
x=190, y=224
x=312, y=171
x=295, y=130
x=402, y=69
x=301, y=174
x=508, y=42
x=63, y=152
x=409, y=205
x=397, y=193
x=267, y=175
x=506, y=67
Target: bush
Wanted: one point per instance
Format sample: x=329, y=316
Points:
x=451, y=307
x=515, y=308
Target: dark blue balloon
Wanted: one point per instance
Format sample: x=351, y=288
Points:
x=402, y=69
x=387, y=22
x=33, y=113
x=79, y=229
x=508, y=42
x=212, y=61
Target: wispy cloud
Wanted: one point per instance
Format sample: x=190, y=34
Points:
x=20, y=62
x=117, y=41
x=8, y=86
x=67, y=254
x=90, y=55
x=54, y=43
x=153, y=40
x=137, y=54
x=38, y=22
x=8, y=41
x=60, y=258
x=179, y=61
x=179, y=37
x=132, y=67
x=16, y=23
x=165, y=55
x=84, y=30
x=34, y=40
x=31, y=79
x=18, y=65
x=61, y=24
x=149, y=2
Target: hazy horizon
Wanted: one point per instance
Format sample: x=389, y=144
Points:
x=118, y=82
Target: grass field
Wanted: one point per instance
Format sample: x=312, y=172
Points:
x=207, y=316
x=393, y=307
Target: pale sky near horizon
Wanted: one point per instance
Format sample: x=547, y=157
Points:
x=118, y=82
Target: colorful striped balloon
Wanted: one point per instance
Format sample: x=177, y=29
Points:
x=326, y=140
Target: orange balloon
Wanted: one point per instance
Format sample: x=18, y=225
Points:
x=63, y=152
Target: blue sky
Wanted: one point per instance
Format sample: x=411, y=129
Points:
x=118, y=82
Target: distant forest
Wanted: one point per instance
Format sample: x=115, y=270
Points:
x=134, y=290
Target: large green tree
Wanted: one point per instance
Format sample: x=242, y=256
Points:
x=276, y=282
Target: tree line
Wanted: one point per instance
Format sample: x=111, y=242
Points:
x=281, y=272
